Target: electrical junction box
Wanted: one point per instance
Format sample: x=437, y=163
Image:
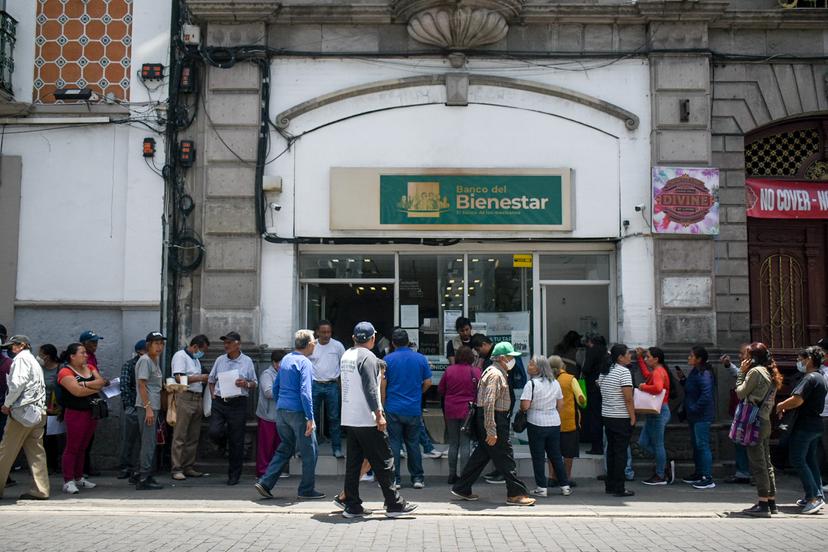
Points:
x=191, y=35
x=271, y=183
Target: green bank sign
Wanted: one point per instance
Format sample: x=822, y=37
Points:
x=475, y=200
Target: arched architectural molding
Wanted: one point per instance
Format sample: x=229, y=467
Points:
x=630, y=120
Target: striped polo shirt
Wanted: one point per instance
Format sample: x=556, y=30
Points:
x=612, y=395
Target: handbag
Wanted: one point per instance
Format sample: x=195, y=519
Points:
x=744, y=430
x=522, y=417
x=99, y=408
x=469, y=426
x=582, y=383
x=647, y=403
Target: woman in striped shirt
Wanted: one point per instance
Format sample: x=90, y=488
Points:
x=618, y=415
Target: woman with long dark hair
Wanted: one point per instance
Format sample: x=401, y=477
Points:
x=618, y=416
x=700, y=408
x=757, y=382
x=652, y=366
x=595, y=360
x=808, y=398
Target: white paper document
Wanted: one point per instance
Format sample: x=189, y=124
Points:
x=410, y=316
x=54, y=426
x=227, y=384
x=113, y=389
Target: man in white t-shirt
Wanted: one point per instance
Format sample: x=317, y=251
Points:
x=189, y=409
x=325, y=359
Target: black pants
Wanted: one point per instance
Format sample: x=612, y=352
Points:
x=593, y=428
x=54, y=451
x=619, y=431
x=368, y=443
x=227, y=423
x=500, y=454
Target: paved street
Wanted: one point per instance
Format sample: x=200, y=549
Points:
x=205, y=515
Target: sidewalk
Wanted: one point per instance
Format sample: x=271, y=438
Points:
x=211, y=495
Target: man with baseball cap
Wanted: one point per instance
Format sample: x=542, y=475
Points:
x=25, y=406
x=148, y=379
x=130, y=431
x=492, y=422
x=364, y=420
x=230, y=405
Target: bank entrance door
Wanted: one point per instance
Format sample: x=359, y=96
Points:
x=346, y=304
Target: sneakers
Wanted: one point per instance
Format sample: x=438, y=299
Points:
x=471, y=497
x=395, y=486
x=540, y=491
x=338, y=502
x=70, y=488
x=760, y=509
x=813, y=507
x=565, y=490
x=434, y=454
x=691, y=479
x=801, y=502
x=84, y=483
x=148, y=484
x=179, y=476
x=655, y=480
x=124, y=474
x=195, y=473
x=704, y=483
x=367, y=477
x=520, y=501
x=671, y=473
x=263, y=490
x=495, y=479
x=313, y=495
x=402, y=510
x=356, y=513
x=418, y=485
x=338, y=454
x=737, y=478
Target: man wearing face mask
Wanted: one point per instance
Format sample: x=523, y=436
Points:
x=492, y=423
x=186, y=363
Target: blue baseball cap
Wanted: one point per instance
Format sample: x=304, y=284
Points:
x=141, y=345
x=363, y=332
x=89, y=335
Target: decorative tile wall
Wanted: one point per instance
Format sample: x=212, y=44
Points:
x=80, y=44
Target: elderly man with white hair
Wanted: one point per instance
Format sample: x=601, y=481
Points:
x=293, y=395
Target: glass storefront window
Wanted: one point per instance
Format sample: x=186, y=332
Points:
x=574, y=267
x=431, y=287
x=346, y=266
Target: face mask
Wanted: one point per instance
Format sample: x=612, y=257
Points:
x=800, y=366
x=510, y=363
x=198, y=354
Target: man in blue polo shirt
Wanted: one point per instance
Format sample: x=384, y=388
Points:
x=292, y=392
x=407, y=377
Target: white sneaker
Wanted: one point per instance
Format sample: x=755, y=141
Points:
x=395, y=486
x=444, y=454
x=566, y=491
x=418, y=485
x=403, y=454
x=540, y=491
x=70, y=488
x=84, y=483
x=367, y=477
x=434, y=454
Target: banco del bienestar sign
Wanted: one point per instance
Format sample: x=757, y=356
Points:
x=461, y=199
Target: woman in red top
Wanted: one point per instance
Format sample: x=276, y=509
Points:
x=458, y=386
x=651, y=364
x=79, y=382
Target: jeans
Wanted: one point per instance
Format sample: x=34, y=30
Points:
x=227, y=428
x=702, y=456
x=406, y=429
x=802, y=451
x=148, y=444
x=129, y=438
x=742, y=464
x=629, y=472
x=652, y=438
x=425, y=440
x=618, y=431
x=329, y=394
x=291, y=426
x=501, y=455
x=459, y=446
x=545, y=442
x=368, y=443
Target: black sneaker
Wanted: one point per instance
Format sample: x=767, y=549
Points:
x=735, y=479
x=313, y=495
x=496, y=479
x=148, y=484
x=692, y=479
x=262, y=490
x=655, y=480
x=760, y=509
x=124, y=474
x=704, y=483
x=402, y=510
x=339, y=503
x=356, y=513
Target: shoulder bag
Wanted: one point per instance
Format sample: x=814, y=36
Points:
x=522, y=417
x=744, y=430
x=469, y=425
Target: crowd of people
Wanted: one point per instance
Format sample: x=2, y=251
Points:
x=371, y=401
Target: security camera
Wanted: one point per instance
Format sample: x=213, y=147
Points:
x=640, y=207
x=276, y=207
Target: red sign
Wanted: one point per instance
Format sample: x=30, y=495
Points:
x=783, y=199
x=685, y=200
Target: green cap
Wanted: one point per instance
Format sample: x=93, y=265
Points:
x=504, y=348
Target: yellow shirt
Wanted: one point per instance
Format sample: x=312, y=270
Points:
x=571, y=393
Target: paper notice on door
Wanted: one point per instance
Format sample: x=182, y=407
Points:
x=520, y=341
x=410, y=316
x=227, y=384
